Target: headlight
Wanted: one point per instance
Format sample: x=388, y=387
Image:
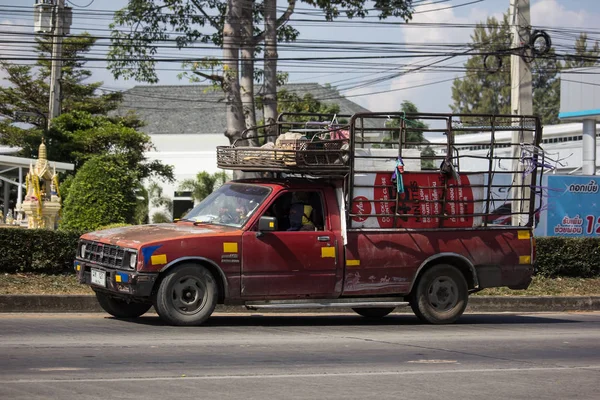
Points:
x=132, y=260
x=82, y=251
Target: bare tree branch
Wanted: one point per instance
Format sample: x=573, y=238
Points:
x=215, y=78
x=212, y=20
x=280, y=21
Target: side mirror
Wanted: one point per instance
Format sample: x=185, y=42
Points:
x=267, y=224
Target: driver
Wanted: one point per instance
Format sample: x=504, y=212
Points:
x=234, y=212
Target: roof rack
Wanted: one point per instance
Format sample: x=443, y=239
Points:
x=301, y=143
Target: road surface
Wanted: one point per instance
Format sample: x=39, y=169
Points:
x=300, y=356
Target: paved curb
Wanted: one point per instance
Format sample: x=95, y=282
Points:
x=88, y=303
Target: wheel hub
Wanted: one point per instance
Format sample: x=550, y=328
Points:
x=443, y=294
x=188, y=295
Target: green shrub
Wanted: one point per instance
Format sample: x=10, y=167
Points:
x=37, y=250
x=102, y=193
x=574, y=257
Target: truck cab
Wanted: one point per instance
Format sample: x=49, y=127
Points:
x=336, y=234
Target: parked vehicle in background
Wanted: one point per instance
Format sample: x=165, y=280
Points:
x=338, y=223
x=503, y=216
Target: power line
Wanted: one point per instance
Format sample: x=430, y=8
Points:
x=86, y=6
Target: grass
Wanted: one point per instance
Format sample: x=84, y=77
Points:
x=551, y=287
x=41, y=284
x=67, y=284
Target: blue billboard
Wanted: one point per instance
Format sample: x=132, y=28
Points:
x=573, y=206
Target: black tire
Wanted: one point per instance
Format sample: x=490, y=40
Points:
x=440, y=296
x=186, y=296
x=120, y=308
x=375, y=312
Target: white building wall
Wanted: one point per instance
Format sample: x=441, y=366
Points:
x=188, y=154
x=561, y=143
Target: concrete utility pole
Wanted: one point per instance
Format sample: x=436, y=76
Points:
x=521, y=102
x=56, y=70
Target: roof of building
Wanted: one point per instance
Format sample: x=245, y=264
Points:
x=9, y=149
x=506, y=136
x=11, y=161
x=193, y=109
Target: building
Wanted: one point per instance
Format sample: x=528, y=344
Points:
x=562, y=145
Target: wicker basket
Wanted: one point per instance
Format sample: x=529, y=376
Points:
x=290, y=155
x=289, y=151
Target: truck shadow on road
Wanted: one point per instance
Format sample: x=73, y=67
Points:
x=224, y=320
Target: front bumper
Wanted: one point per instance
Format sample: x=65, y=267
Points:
x=117, y=282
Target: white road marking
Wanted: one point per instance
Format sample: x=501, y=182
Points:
x=287, y=376
x=58, y=369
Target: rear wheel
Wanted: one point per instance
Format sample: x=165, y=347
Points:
x=186, y=296
x=120, y=308
x=440, y=296
x=376, y=312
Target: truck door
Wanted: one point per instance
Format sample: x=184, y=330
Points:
x=291, y=263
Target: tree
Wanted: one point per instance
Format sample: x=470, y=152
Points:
x=158, y=200
x=583, y=57
x=204, y=184
x=414, y=128
x=483, y=92
x=546, y=88
x=102, y=193
x=83, y=130
x=293, y=103
x=151, y=22
x=28, y=88
x=413, y=134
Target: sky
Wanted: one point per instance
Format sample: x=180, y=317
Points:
x=430, y=91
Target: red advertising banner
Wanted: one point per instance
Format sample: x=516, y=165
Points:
x=422, y=198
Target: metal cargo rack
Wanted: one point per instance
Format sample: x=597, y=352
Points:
x=503, y=163
x=504, y=160
x=315, y=153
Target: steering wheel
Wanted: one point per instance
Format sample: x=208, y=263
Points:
x=227, y=217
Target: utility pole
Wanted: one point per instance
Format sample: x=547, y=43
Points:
x=56, y=70
x=521, y=103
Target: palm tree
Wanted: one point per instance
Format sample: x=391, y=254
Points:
x=158, y=200
x=203, y=185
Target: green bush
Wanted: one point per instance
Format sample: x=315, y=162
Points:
x=37, y=250
x=102, y=193
x=573, y=257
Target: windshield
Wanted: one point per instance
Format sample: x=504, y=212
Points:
x=231, y=204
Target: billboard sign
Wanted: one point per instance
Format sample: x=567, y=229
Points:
x=574, y=207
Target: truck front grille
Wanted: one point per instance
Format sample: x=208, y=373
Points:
x=103, y=254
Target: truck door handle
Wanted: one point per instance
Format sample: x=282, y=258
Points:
x=323, y=238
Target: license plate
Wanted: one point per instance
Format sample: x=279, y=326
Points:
x=98, y=277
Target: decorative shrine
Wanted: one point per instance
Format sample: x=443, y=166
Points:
x=42, y=200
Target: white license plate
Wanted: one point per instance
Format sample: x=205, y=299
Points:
x=98, y=277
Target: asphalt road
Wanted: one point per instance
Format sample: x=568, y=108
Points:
x=494, y=356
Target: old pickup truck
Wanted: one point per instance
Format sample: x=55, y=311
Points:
x=339, y=223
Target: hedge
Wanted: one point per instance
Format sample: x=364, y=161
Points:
x=53, y=252
x=37, y=250
x=570, y=257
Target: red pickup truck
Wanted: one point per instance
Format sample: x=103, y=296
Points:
x=345, y=236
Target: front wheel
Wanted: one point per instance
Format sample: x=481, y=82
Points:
x=120, y=308
x=440, y=296
x=374, y=313
x=186, y=296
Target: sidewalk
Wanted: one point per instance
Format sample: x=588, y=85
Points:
x=88, y=303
